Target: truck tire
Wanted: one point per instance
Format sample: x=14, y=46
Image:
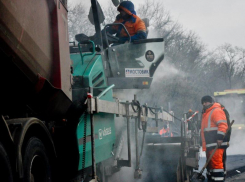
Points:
x=6, y=174
x=36, y=162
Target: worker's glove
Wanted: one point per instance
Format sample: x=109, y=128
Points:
x=219, y=142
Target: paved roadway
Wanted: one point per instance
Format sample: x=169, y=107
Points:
x=235, y=168
x=156, y=159
x=237, y=178
x=237, y=174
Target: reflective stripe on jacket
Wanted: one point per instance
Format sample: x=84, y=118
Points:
x=134, y=25
x=132, y=28
x=214, y=126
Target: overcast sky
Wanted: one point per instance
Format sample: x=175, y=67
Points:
x=215, y=21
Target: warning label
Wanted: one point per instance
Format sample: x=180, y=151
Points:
x=136, y=72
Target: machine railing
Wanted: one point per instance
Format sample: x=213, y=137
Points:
x=128, y=110
x=119, y=107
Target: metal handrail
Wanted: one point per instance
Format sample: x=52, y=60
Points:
x=105, y=91
x=86, y=54
x=113, y=24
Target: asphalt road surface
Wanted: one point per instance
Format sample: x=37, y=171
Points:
x=237, y=178
x=235, y=167
x=153, y=167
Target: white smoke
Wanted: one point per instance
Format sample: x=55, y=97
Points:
x=166, y=71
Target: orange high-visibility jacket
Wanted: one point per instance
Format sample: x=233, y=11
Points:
x=165, y=132
x=132, y=27
x=214, y=126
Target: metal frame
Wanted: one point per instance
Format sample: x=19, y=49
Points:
x=96, y=23
x=96, y=105
x=119, y=108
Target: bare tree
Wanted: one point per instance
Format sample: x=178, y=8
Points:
x=159, y=18
x=185, y=50
x=232, y=62
x=155, y=12
x=110, y=13
x=78, y=21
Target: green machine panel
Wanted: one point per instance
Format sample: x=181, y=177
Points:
x=88, y=71
x=104, y=138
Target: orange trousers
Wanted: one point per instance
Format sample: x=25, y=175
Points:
x=215, y=168
x=217, y=160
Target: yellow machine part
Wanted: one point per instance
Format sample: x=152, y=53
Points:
x=226, y=92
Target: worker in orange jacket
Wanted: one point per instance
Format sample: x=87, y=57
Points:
x=213, y=128
x=165, y=132
x=134, y=25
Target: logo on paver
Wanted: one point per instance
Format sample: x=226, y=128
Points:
x=104, y=132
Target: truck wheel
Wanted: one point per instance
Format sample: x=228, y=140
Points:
x=6, y=174
x=36, y=162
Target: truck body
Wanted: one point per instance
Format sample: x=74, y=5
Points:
x=34, y=45
x=35, y=76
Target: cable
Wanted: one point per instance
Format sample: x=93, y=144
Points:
x=152, y=110
x=146, y=109
x=143, y=140
x=139, y=118
x=172, y=115
x=135, y=103
x=84, y=143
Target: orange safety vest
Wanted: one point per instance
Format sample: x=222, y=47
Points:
x=165, y=132
x=132, y=27
x=214, y=126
